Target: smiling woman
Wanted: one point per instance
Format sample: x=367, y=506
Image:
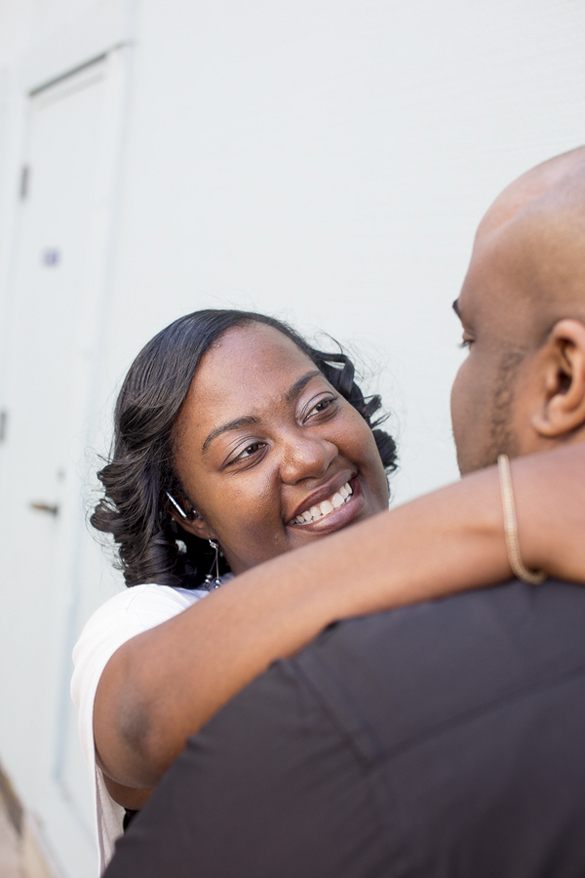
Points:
x=236, y=441
x=217, y=409
x=264, y=459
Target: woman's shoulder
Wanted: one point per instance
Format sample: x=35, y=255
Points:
x=137, y=609
x=144, y=605
x=129, y=613
x=149, y=595
x=123, y=616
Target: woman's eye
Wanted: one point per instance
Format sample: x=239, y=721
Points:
x=249, y=451
x=321, y=406
x=466, y=343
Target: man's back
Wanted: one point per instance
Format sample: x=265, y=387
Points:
x=446, y=740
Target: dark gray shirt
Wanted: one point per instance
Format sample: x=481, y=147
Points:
x=443, y=740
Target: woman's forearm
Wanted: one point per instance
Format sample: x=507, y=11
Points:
x=161, y=687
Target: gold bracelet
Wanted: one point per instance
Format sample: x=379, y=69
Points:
x=534, y=577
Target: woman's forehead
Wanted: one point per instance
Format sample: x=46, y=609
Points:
x=250, y=350
x=249, y=368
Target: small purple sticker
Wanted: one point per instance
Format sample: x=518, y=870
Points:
x=51, y=257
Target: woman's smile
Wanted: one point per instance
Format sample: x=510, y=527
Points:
x=317, y=509
x=275, y=458
x=334, y=512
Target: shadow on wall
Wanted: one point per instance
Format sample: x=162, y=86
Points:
x=22, y=853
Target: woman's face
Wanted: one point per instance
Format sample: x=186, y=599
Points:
x=270, y=455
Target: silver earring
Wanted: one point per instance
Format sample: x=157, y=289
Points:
x=186, y=516
x=210, y=581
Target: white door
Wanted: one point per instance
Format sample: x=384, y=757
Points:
x=45, y=403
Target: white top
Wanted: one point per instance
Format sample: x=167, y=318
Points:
x=122, y=617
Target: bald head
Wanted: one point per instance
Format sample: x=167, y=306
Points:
x=533, y=237
x=554, y=179
x=526, y=277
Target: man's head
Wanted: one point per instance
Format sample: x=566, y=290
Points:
x=522, y=307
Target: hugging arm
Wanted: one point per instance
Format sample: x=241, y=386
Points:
x=162, y=685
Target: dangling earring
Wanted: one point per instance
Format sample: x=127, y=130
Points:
x=210, y=582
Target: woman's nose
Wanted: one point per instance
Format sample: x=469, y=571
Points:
x=306, y=458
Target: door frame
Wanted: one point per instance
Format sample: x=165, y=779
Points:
x=99, y=37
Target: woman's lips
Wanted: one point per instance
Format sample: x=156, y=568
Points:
x=324, y=519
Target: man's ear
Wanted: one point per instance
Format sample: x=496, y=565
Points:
x=562, y=404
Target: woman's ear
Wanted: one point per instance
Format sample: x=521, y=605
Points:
x=189, y=519
x=196, y=526
x=561, y=408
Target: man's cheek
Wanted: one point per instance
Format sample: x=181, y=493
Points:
x=466, y=416
x=458, y=397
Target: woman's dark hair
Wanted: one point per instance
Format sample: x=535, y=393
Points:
x=141, y=468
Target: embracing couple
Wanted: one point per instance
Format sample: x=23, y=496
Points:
x=444, y=738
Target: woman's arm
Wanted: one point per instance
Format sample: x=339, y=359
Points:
x=164, y=684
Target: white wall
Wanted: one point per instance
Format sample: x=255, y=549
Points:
x=329, y=161
x=323, y=161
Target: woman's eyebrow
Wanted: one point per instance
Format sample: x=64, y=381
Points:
x=247, y=421
x=252, y=420
x=300, y=385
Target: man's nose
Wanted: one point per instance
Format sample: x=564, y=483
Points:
x=306, y=457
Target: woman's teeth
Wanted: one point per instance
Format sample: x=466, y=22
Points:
x=325, y=507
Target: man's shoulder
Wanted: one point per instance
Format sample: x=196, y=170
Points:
x=427, y=664
x=506, y=620
x=406, y=673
